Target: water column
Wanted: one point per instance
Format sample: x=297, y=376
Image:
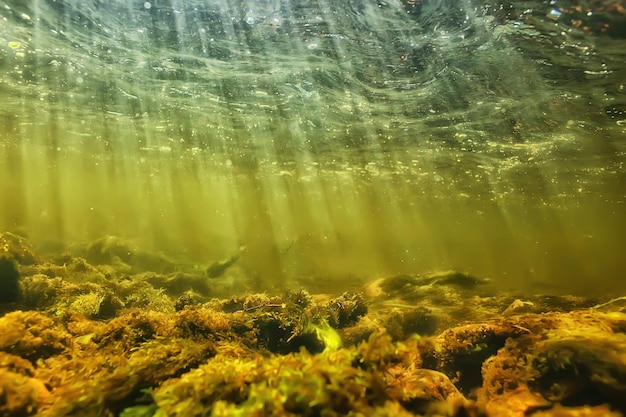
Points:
x=314, y=140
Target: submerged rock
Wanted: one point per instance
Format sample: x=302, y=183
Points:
x=19, y=248
x=9, y=280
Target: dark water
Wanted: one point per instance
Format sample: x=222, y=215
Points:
x=324, y=139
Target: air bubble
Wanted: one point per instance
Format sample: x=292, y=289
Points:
x=554, y=14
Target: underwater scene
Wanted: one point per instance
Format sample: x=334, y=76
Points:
x=312, y=208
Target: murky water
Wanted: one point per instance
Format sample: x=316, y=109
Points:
x=323, y=140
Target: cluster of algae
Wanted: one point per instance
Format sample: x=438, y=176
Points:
x=83, y=338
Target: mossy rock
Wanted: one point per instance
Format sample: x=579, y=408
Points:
x=18, y=248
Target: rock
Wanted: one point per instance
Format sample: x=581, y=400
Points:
x=9, y=280
x=18, y=248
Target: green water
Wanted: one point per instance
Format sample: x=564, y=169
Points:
x=323, y=140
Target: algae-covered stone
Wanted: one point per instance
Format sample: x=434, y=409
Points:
x=125, y=256
x=18, y=248
x=346, y=310
x=96, y=304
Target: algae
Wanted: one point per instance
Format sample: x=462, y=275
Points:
x=92, y=340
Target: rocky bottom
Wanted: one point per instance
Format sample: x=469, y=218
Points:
x=82, y=337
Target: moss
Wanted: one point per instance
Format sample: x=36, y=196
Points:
x=188, y=299
x=328, y=337
x=420, y=320
x=300, y=298
x=200, y=360
x=346, y=310
x=20, y=395
x=41, y=291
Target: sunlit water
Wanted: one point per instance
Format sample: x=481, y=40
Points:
x=319, y=139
